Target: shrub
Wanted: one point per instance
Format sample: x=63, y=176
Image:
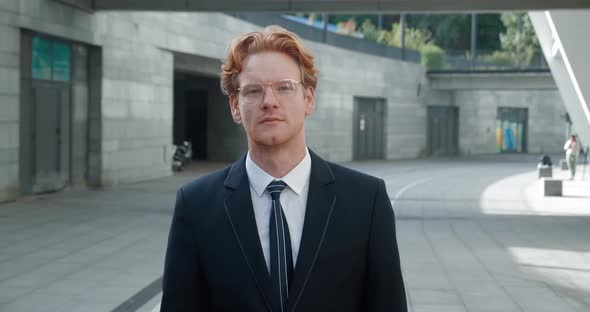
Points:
x=432, y=57
x=501, y=58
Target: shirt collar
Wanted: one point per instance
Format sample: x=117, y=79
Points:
x=296, y=179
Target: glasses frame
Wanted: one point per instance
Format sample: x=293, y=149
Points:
x=264, y=84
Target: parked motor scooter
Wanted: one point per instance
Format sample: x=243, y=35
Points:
x=182, y=155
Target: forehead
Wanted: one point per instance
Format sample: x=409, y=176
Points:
x=268, y=66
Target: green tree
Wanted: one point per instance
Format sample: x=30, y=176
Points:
x=415, y=39
x=519, y=40
x=489, y=26
x=335, y=19
x=369, y=30
x=452, y=32
x=432, y=56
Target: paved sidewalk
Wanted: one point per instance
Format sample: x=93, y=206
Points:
x=470, y=244
x=475, y=235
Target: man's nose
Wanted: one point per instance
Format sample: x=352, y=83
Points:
x=269, y=98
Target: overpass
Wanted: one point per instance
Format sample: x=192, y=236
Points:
x=327, y=5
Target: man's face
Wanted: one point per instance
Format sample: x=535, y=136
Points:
x=277, y=119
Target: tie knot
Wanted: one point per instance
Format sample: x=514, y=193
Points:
x=275, y=188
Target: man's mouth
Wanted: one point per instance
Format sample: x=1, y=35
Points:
x=270, y=119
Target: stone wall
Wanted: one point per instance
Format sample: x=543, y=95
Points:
x=345, y=75
x=477, y=119
x=9, y=110
x=138, y=52
x=478, y=97
x=130, y=128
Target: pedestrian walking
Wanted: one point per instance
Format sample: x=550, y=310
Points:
x=572, y=148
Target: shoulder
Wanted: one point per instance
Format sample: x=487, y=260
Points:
x=341, y=174
x=207, y=184
x=353, y=179
x=358, y=193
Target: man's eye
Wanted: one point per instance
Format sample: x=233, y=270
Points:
x=284, y=87
x=252, y=91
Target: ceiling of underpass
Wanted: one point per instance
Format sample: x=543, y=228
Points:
x=328, y=5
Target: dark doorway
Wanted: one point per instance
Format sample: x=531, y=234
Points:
x=192, y=96
x=442, y=131
x=369, y=129
x=196, y=121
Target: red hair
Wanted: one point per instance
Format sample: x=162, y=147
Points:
x=272, y=38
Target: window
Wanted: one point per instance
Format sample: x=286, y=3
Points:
x=51, y=60
x=61, y=61
x=41, y=63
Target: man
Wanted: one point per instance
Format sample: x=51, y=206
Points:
x=281, y=229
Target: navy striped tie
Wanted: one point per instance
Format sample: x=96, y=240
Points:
x=281, y=259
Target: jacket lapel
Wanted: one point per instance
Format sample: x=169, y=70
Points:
x=238, y=205
x=320, y=203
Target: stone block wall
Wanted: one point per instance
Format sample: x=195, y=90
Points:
x=136, y=110
x=137, y=53
x=345, y=75
x=478, y=111
x=9, y=108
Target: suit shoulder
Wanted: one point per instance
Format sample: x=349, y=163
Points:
x=344, y=173
x=205, y=184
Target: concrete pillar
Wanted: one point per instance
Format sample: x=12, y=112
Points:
x=9, y=111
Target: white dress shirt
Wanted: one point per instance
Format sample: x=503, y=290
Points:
x=293, y=200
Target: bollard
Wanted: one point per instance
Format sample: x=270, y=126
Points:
x=552, y=187
x=545, y=172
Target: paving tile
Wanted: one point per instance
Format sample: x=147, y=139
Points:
x=421, y=296
x=439, y=308
x=10, y=293
x=36, y=302
x=470, y=244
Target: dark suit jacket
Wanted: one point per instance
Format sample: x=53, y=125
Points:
x=348, y=258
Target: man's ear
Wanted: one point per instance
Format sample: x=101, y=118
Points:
x=309, y=101
x=234, y=109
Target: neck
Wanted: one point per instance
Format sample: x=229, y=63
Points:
x=277, y=160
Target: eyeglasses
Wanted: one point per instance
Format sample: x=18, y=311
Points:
x=254, y=93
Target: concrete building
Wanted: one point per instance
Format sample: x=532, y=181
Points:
x=491, y=103
x=98, y=98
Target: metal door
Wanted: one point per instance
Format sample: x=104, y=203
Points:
x=369, y=129
x=442, y=131
x=51, y=138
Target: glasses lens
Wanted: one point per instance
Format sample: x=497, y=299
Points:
x=252, y=92
x=284, y=87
